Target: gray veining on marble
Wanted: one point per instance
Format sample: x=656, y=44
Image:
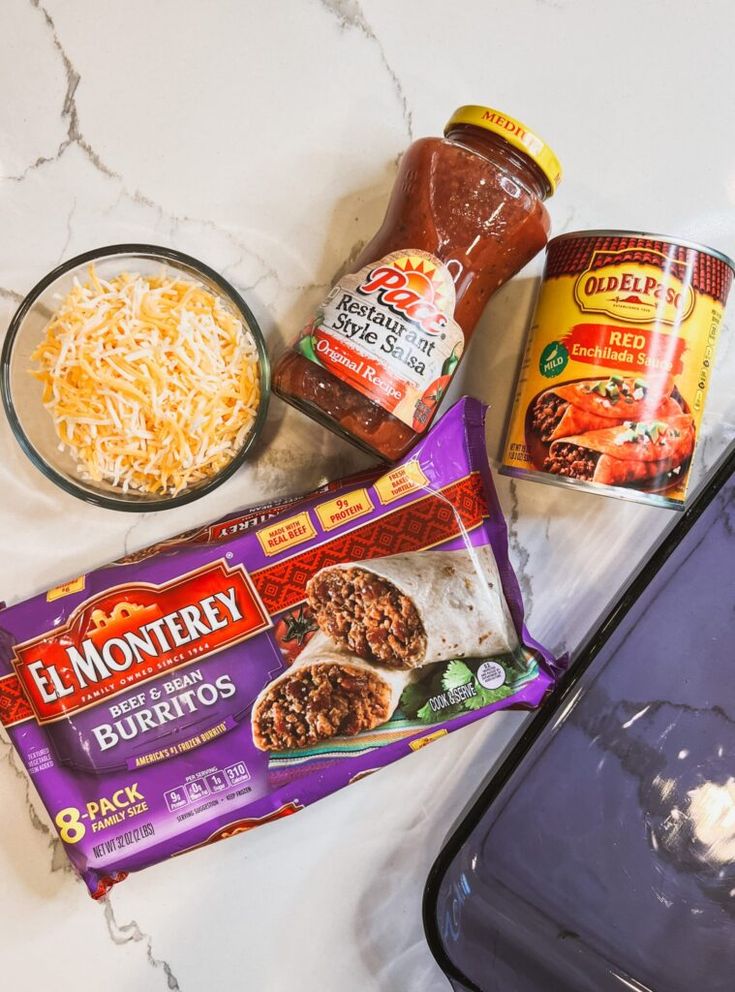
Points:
x=263, y=139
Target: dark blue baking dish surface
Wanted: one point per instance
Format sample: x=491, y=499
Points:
x=601, y=855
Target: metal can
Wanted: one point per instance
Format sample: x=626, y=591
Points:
x=617, y=364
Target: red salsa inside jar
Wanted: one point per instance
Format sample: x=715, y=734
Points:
x=466, y=214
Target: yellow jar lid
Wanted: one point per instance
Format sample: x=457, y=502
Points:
x=515, y=133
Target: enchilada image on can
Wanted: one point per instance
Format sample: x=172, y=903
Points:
x=617, y=365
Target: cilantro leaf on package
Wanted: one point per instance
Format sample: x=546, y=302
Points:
x=436, y=685
x=455, y=675
x=427, y=715
x=413, y=698
x=486, y=696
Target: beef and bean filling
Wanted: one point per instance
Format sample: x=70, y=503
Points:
x=368, y=615
x=572, y=461
x=547, y=413
x=318, y=702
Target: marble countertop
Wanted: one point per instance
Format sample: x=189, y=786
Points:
x=263, y=139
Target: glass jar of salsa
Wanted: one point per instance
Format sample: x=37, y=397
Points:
x=466, y=213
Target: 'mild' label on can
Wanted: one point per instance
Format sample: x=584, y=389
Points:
x=617, y=365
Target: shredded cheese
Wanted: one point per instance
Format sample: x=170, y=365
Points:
x=153, y=383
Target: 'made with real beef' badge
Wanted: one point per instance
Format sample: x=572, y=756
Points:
x=240, y=672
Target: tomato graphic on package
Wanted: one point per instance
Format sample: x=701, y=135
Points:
x=293, y=631
x=432, y=396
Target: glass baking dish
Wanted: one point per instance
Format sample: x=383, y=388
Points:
x=601, y=856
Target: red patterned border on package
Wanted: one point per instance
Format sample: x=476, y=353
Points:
x=570, y=255
x=427, y=521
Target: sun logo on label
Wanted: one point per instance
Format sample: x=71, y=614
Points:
x=426, y=279
x=413, y=287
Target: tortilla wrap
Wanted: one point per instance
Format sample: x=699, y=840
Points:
x=608, y=457
x=582, y=409
x=325, y=693
x=414, y=609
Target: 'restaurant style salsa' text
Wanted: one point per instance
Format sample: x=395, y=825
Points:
x=465, y=215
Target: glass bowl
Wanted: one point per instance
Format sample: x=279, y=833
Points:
x=21, y=392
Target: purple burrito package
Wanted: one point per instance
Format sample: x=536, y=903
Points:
x=236, y=674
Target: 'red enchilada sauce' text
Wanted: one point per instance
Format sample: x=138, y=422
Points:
x=617, y=365
x=465, y=215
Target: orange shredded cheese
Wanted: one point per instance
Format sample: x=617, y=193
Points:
x=153, y=383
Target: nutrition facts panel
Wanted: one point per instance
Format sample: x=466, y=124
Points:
x=210, y=784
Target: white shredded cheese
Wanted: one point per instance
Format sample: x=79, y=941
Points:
x=153, y=383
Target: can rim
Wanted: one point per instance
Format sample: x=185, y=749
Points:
x=609, y=231
x=597, y=488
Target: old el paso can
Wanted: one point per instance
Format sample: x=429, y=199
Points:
x=617, y=364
